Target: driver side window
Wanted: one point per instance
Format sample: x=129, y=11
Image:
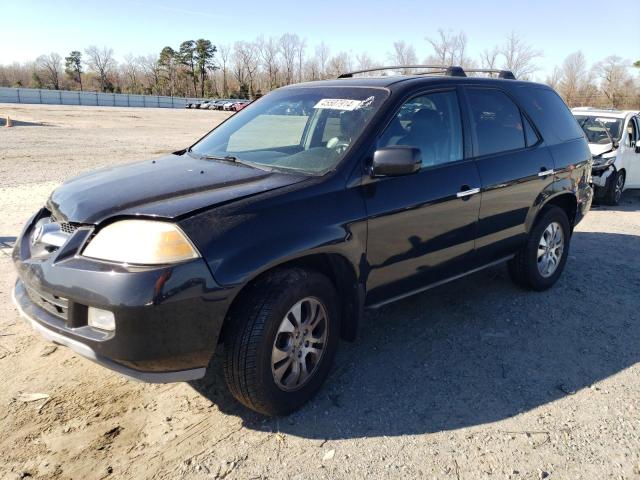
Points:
x=432, y=124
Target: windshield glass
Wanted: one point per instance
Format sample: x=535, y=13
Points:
x=301, y=129
x=594, y=128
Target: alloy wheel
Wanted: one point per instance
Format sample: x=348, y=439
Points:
x=550, y=248
x=619, y=187
x=299, y=344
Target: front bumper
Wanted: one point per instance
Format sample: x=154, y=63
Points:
x=600, y=175
x=168, y=318
x=30, y=312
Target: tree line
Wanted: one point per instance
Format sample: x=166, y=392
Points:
x=248, y=68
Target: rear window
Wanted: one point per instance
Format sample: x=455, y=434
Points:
x=550, y=113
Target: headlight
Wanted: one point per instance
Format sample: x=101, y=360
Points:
x=603, y=162
x=143, y=242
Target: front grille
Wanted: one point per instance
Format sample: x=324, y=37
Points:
x=68, y=227
x=53, y=304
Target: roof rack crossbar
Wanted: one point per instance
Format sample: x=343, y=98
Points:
x=507, y=74
x=394, y=67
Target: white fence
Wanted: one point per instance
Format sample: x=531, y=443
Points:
x=66, y=97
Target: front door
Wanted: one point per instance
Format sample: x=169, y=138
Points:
x=422, y=227
x=632, y=154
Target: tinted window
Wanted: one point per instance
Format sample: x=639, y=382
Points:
x=497, y=121
x=547, y=108
x=432, y=124
x=529, y=132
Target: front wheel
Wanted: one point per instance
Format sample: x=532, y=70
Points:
x=539, y=264
x=281, y=339
x=614, y=188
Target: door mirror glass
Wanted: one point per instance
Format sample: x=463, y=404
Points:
x=395, y=161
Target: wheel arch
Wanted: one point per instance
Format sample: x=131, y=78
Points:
x=342, y=274
x=567, y=201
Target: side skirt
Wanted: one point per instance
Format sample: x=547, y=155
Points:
x=436, y=284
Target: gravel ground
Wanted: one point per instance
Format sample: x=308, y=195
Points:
x=475, y=379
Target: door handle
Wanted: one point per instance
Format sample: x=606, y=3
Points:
x=467, y=193
x=546, y=173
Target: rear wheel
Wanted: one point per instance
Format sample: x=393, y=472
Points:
x=614, y=188
x=281, y=340
x=539, y=264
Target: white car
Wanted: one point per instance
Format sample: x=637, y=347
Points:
x=614, y=141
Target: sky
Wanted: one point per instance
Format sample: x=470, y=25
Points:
x=29, y=28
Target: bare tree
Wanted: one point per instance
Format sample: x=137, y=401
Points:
x=574, y=75
x=489, y=58
x=302, y=45
x=364, y=61
x=322, y=53
x=101, y=61
x=50, y=67
x=339, y=64
x=246, y=54
x=289, y=45
x=614, y=78
x=269, y=50
x=555, y=78
x=131, y=69
x=403, y=54
x=225, y=54
x=519, y=56
x=448, y=48
x=152, y=71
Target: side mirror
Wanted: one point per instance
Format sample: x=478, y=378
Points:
x=395, y=161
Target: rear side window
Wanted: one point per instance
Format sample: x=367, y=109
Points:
x=529, y=132
x=497, y=121
x=547, y=109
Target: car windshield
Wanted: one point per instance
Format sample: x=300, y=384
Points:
x=301, y=129
x=594, y=128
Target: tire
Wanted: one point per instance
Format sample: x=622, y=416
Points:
x=525, y=268
x=254, y=339
x=614, y=188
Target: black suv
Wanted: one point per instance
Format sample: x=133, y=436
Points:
x=272, y=234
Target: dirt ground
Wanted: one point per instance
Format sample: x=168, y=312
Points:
x=475, y=379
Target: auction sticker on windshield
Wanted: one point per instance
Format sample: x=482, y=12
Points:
x=338, y=104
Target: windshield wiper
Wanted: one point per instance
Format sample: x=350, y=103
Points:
x=232, y=159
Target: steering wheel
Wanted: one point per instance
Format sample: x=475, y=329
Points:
x=340, y=146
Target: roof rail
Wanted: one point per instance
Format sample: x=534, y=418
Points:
x=448, y=70
x=442, y=68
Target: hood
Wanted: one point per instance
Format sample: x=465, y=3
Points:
x=167, y=187
x=598, y=149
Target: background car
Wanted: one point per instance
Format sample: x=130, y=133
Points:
x=614, y=141
x=240, y=105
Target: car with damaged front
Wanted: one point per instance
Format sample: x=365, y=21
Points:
x=614, y=141
x=271, y=235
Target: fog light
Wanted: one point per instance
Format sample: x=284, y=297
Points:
x=102, y=319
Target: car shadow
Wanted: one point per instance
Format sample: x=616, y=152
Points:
x=630, y=202
x=20, y=123
x=474, y=351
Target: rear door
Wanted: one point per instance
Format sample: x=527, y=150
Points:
x=422, y=226
x=514, y=166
